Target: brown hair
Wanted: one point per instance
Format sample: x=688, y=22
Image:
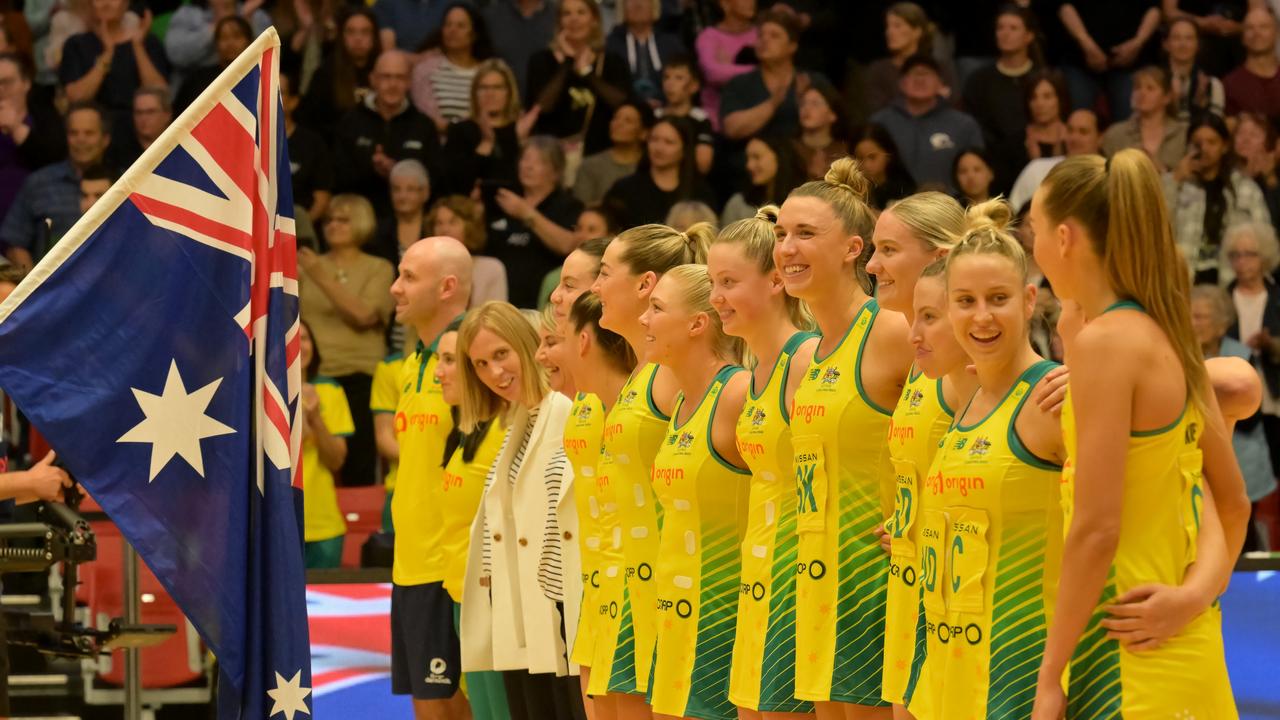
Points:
x=586, y=313
x=472, y=215
x=511, y=111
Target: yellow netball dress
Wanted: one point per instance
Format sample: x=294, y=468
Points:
x=583, y=434
x=633, y=431
x=990, y=543
x=462, y=487
x=763, y=676
x=844, y=489
x=1186, y=677
x=704, y=502
x=919, y=422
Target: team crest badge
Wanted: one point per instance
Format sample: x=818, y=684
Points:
x=584, y=412
x=757, y=417
x=830, y=376
x=631, y=395
x=916, y=398
x=686, y=440
x=980, y=448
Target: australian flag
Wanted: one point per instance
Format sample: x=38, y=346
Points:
x=156, y=348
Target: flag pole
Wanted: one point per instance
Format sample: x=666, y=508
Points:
x=132, y=655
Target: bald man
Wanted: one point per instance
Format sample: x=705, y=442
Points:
x=381, y=131
x=431, y=291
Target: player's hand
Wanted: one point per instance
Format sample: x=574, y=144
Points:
x=1052, y=393
x=46, y=482
x=886, y=542
x=1051, y=701
x=1146, y=616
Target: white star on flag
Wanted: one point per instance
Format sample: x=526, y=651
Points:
x=175, y=423
x=289, y=696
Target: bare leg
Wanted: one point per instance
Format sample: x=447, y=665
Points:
x=786, y=716
x=632, y=707
x=867, y=712
x=900, y=712
x=827, y=710
x=584, y=677
x=746, y=714
x=455, y=708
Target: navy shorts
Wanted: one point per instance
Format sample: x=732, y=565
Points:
x=426, y=660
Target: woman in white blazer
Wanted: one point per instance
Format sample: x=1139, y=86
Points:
x=522, y=588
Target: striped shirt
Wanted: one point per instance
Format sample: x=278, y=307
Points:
x=451, y=86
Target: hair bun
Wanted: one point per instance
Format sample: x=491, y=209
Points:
x=845, y=173
x=768, y=213
x=994, y=215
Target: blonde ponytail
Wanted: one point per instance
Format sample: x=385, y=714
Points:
x=846, y=189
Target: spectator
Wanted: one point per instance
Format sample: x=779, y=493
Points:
x=190, y=39
x=1206, y=195
x=1218, y=25
x=1194, y=90
x=907, y=32
x=443, y=75
x=48, y=203
x=1153, y=127
x=345, y=295
x=231, y=36
x=486, y=147
x=764, y=101
x=773, y=170
x=597, y=221
x=31, y=132
x=51, y=23
x=627, y=132
x=304, y=27
x=1255, y=85
x=1109, y=39
x=1254, y=144
x=110, y=62
x=382, y=130
x=666, y=175
x=309, y=157
x=576, y=83
x=1046, y=104
x=881, y=163
x=529, y=231
x=405, y=24
x=996, y=94
x=520, y=29
x=94, y=183
x=824, y=131
x=646, y=50
x=152, y=113
x=342, y=81
x=1083, y=138
x=1211, y=318
x=680, y=85
x=327, y=424
x=687, y=213
x=723, y=52
x=972, y=176
x=410, y=191
x=462, y=219
x=927, y=131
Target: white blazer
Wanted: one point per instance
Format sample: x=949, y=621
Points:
x=512, y=625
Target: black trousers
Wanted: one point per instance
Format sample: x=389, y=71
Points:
x=362, y=450
x=543, y=696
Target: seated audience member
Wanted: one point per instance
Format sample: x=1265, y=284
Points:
x=1254, y=145
x=645, y=49
x=927, y=131
x=687, y=213
x=1083, y=138
x=382, y=130
x=596, y=221
x=342, y=81
x=327, y=425
x=231, y=36
x=765, y=101
x=1194, y=90
x=48, y=203
x=110, y=62
x=907, y=32
x=152, y=113
x=462, y=219
x=665, y=176
x=345, y=295
x=824, y=132
x=444, y=73
x=529, y=230
x=486, y=146
x=1105, y=42
x=1255, y=85
x=406, y=225
x=1153, y=127
x=1206, y=195
x=190, y=39
x=576, y=83
x=31, y=131
x=95, y=181
x=1046, y=106
x=627, y=132
x=972, y=176
x=879, y=160
x=995, y=94
x=310, y=159
x=680, y=86
x=726, y=50
x=773, y=171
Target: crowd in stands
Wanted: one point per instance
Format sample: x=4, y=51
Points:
x=525, y=127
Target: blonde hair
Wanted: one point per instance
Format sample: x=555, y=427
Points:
x=360, y=215
x=547, y=320
x=596, y=41
x=687, y=213
x=934, y=218
x=1120, y=202
x=479, y=403
x=510, y=111
x=846, y=189
x=695, y=294
x=755, y=237
x=986, y=232
x=915, y=16
x=658, y=248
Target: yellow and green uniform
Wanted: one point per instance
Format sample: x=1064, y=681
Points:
x=699, y=564
x=461, y=488
x=844, y=489
x=763, y=676
x=322, y=518
x=633, y=431
x=583, y=434
x=423, y=423
x=1186, y=677
x=990, y=541
x=384, y=395
x=919, y=422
